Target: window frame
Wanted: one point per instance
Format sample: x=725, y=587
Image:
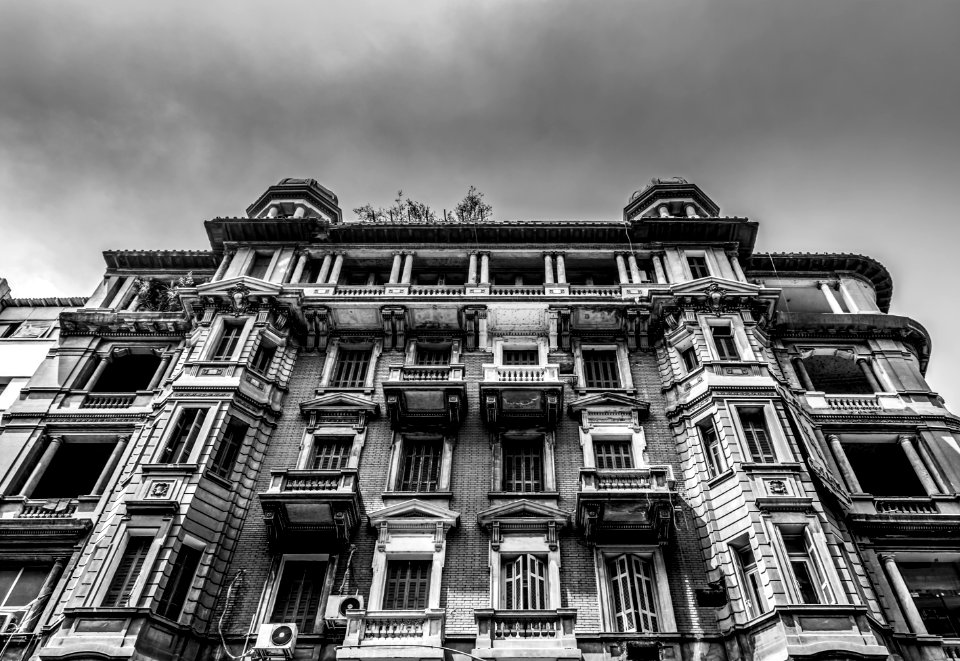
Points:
x=314, y=436
x=664, y=602
x=752, y=593
x=600, y=432
x=333, y=355
x=251, y=260
x=741, y=342
x=197, y=443
x=819, y=559
x=223, y=468
x=689, y=255
x=514, y=544
x=127, y=530
x=262, y=347
x=393, y=562
x=782, y=453
x=326, y=588
x=548, y=461
x=194, y=544
x=581, y=347
x=397, y=456
x=525, y=579
x=714, y=466
x=216, y=336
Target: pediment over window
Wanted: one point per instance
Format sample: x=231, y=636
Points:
x=415, y=510
x=609, y=408
x=338, y=408
x=254, y=287
x=523, y=512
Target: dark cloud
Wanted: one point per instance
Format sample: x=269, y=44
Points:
x=125, y=125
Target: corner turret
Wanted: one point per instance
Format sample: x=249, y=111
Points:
x=297, y=198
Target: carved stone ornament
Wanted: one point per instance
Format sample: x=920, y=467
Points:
x=160, y=489
x=238, y=294
x=715, y=294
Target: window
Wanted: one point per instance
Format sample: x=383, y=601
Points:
x=332, y=453
x=711, y=447
x=523, y=467
x=408, y=585
x=689, y=358
x=19, y=586
x=184, y=436
x=127, y=572
x=935, y=587
x=633, y=592
x=299, y=594
x=600, y=368
x=127, y=372
x=724, y=342
x=263, y=358
x=261, y=262
x=175, y=593
x=524, y=583
x=228, y=341
x=750, y=588
x=350, y=369
x=613, y=454
x=433, y=355
x=420, y=467
x=74, y=469
x=521, y=356
x=882, y=468
x=756, y=435
x=809, y=577
x=698, y=266
x=229, y=449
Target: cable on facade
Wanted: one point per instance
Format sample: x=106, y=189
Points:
x=346, y=572
x=226, y=608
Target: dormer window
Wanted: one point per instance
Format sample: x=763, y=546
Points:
x=260, y=265
x=698, y=266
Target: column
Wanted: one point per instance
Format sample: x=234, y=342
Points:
x=324, y=270
x=848, y=298
x=472, y=269
x=407, y=269
x=395, y=269
x=173, y=364
x=298, y=270
x=484, y=268
x=335, y=271
x=659, y=269
x=272, y=211
x=161, y=370
x=864, y=365
x=31, y=617
x=299, y=212
x=902, y=593
x=735, y=265
x=102, y=362
x=844, y=464
x=906, y=442
x=942, y=486
x=224, y=265
x=801, y=372
x=831, y=299
x=547, y=269
x=561, y=270
x=634, y=268
x=622, y=269
x=110, y=466
x=53, y=444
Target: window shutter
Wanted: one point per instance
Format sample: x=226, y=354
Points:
x=613, y=454
x=647, y=602
x=822, y=579
x=175, y=594
x=420, y=470
x=298, y=596
x=537, y=583
x=408, y=585
x=757, y=437
x=127, y=572
x=623, y=610
x=332, y=454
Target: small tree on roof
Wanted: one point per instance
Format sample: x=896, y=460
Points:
x=472, y=208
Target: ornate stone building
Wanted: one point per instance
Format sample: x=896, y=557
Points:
x=327, y=439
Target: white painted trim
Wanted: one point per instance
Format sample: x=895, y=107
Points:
x=665, y=614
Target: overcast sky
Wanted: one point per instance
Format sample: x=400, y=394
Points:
x=832, y=123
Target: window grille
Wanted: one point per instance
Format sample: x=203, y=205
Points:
x=408, y=585
x=633, y=594
x=420, y=468
x=613, y=454
x=601, y=369
x=521, y=357
x=331, y=453
x=523, y=467
x=350, y=370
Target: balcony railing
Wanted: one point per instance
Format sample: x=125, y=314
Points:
x=359, y=290
x=516, y=290
x=371, y=628
x=883, y=401
x=526, y=628
x=108, y=400
x=426, y=373
x=596, y=291
x=48, y=510
x=437, y=290
x=648, y=478
x=521, y=373
x=306, y=480
x=905, y=506
x=853, y=402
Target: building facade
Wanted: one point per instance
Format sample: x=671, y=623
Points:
x=469, y=438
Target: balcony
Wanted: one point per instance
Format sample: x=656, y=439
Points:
x=425, y=394
x=81, y=399
x=511, y=634
x=306, y=508
x=636, y=502
x=521, y=395
x=393, y=634
x=31, y=523
x=931, y=516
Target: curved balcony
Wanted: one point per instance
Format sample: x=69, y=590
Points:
x=307, y=508
x=425, y=394
x=521, y=395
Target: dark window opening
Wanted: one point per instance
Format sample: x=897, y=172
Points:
x=19, y=586
x=521, y=356
x=408, y=585
x=229, y=449
x=724, y=342
x=613, y=454
x=128, y=571
x=261, y=262
x=331, y=453
x=523, y=467
x=420, y=466
x=601, y=368
x=184, y=436
x=440, y=276
x=935, y=587
x=757, y=436
x=263, y=358
x=350, y=370
x=883, y=469
x=698, y=266
x=711, y=447
x=227, y=344
x=128, y=373
x=299, y=594
x=74, y=471
x=689, y=358
x=428, y=354
x=178, y=585
x=800, y=565
x=511, y=276
x=835, y=374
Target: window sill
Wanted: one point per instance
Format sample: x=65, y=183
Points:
x=324, y=389
x=181, y=469
x=523, y=494
x=420, y=495
x=218, y=480
x=717, y=480
x=772, y=467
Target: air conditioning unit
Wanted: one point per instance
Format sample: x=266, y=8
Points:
x=275, y=640
x=338, y=605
